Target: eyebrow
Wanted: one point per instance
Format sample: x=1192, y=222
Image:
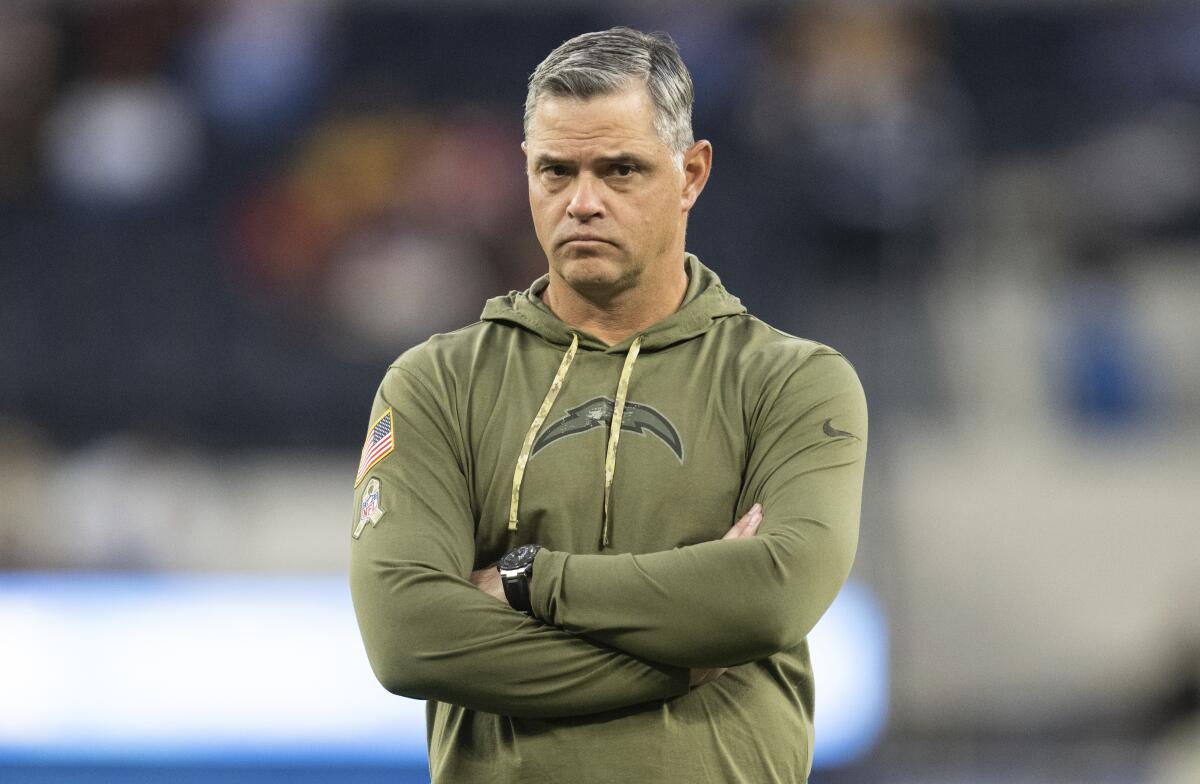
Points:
x=621, y=157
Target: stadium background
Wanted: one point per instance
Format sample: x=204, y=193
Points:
x=219, y=221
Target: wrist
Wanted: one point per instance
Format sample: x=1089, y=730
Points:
x=516, y=577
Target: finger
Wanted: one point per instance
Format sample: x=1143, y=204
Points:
x=738, y=528
x=735, y=530
x=752, y=526
x=746, y=525
x=755, y=518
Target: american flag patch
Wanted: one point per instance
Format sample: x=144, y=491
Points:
x=380, y=442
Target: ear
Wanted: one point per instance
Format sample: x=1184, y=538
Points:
x=697, y=164
x=525, y=152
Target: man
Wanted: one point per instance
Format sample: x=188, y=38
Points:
x=618, y=414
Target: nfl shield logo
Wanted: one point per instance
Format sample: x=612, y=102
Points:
x=370, y=510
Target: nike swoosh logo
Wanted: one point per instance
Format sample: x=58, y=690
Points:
x=833, y=432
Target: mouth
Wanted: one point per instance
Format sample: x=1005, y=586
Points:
x=585, y=239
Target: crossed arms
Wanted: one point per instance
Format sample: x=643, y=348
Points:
x=631, y=628
x=487, y=580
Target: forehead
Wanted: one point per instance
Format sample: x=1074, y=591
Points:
x=562, y=124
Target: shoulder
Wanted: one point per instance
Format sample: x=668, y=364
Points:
x=785, y=376
x=794, y=379
x=443, y=356
x=775, y=354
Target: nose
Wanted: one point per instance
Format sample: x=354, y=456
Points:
x=585, y=203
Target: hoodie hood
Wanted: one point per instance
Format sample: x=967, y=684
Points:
x=705, y=302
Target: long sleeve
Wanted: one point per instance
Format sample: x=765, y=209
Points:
x=428, y=632
x=724, y=603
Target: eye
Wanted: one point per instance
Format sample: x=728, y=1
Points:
x=624, y=169
x=555, y=170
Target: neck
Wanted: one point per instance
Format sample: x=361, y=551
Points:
x=624, y=314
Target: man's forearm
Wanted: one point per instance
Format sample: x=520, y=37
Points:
x=488, y=581
x=714, y=604
x=430, y=635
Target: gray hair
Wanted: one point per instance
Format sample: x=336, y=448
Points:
x=602, y=63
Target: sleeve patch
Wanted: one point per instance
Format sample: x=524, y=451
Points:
x=380, y=442
x=371, y=509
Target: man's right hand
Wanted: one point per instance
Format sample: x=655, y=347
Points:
x=744, y=528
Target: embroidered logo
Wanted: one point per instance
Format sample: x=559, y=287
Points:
x=597, y=412
x=370, y=510
x=833, y=432
x=379, y=444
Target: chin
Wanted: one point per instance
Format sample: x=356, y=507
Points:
x=594, y=272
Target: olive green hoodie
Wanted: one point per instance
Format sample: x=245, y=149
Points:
x=625, y=463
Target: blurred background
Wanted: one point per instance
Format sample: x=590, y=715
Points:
x=220, y=221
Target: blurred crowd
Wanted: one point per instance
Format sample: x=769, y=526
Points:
x=220, y=221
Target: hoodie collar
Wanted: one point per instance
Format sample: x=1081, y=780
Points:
x=705, y=302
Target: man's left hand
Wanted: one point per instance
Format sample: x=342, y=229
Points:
x=487, y=580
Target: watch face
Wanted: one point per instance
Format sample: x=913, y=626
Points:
x=519, y=558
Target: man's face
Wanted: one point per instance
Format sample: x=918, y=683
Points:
x=607, y=198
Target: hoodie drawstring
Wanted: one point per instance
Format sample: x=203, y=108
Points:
x=614, y=432
x=535, y=426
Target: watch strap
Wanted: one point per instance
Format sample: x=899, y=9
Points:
x=516, y=590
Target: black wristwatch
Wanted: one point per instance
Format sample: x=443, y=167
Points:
x=516, y=570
